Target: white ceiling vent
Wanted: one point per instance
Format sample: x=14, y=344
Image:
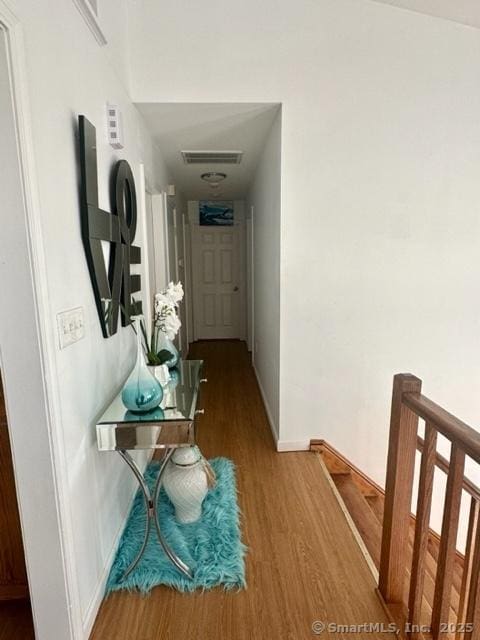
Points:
x=212, y=157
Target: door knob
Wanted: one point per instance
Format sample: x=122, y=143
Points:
x=235, y=288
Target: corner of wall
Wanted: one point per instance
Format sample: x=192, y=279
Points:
x=271, y=421
x=280, y=445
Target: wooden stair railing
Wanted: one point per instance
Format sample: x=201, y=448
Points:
x=443, y=464
x=408, y=405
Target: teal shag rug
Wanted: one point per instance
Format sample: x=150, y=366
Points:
x=212, y=546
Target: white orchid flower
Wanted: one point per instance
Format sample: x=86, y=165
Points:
x=174, y=292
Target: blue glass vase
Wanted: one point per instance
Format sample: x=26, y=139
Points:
x=167, y=344
x=148, y=416
x=142, y=391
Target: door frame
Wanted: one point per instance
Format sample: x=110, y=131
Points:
x=250, y=272
x=176, y=260
x=187, y=271
x=240, y=223
x=35, y=426
x=147, y=188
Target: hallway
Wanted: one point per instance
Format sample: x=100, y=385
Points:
x=302, y=564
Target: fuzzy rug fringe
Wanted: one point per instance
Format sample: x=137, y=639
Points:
x=212, y=546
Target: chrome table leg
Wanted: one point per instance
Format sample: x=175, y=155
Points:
x=151, y=505
x=181, y=566
x=148, y=507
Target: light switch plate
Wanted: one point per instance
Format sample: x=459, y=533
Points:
x=71, y=326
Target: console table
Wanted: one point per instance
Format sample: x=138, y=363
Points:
x=167, y=427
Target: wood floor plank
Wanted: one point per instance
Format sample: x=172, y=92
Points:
x=16, y=620
x=303, y=563
x=365, y=520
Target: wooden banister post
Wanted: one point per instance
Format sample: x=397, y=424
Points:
x=398, y=490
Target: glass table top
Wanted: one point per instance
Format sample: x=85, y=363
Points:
x=179, y=401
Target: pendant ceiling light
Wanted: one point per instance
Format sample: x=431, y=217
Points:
x=213, y=178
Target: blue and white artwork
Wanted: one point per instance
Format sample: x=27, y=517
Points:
x=216, y=213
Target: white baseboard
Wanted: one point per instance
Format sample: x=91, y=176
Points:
x=94, y=606
x=293, y=445
x=273, y=428
x=97, y=598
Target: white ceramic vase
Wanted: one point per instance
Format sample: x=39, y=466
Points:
x=186, y=483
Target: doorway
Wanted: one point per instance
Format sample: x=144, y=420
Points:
x=218, y=268
x=239, y=143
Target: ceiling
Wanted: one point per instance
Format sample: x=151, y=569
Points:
x=215, y=127
x=463, y=11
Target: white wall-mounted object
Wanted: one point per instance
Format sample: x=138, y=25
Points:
x=89, y=11
x=71, y=327
x=212, y=157
x=114, y=126
x=171, y=190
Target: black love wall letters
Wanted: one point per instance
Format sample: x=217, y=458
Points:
x=112, y=288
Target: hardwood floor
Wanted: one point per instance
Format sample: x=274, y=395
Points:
x=15, y=612
x=303, y=563
x=16, y=620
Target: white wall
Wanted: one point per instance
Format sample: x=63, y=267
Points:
x=264, y=197
x=69, y=74
x=23, y=367
x=380, y=226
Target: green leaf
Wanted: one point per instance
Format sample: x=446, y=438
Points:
x=164, y=355
x=153, y=359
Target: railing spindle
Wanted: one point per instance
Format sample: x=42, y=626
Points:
x=448, y=540
x=398, y=490
x=468, y=562
x=472, y=617
x=420, y=544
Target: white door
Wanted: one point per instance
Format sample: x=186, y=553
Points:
x=217, y=282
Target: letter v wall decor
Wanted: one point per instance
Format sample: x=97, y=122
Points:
x=112, y=289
